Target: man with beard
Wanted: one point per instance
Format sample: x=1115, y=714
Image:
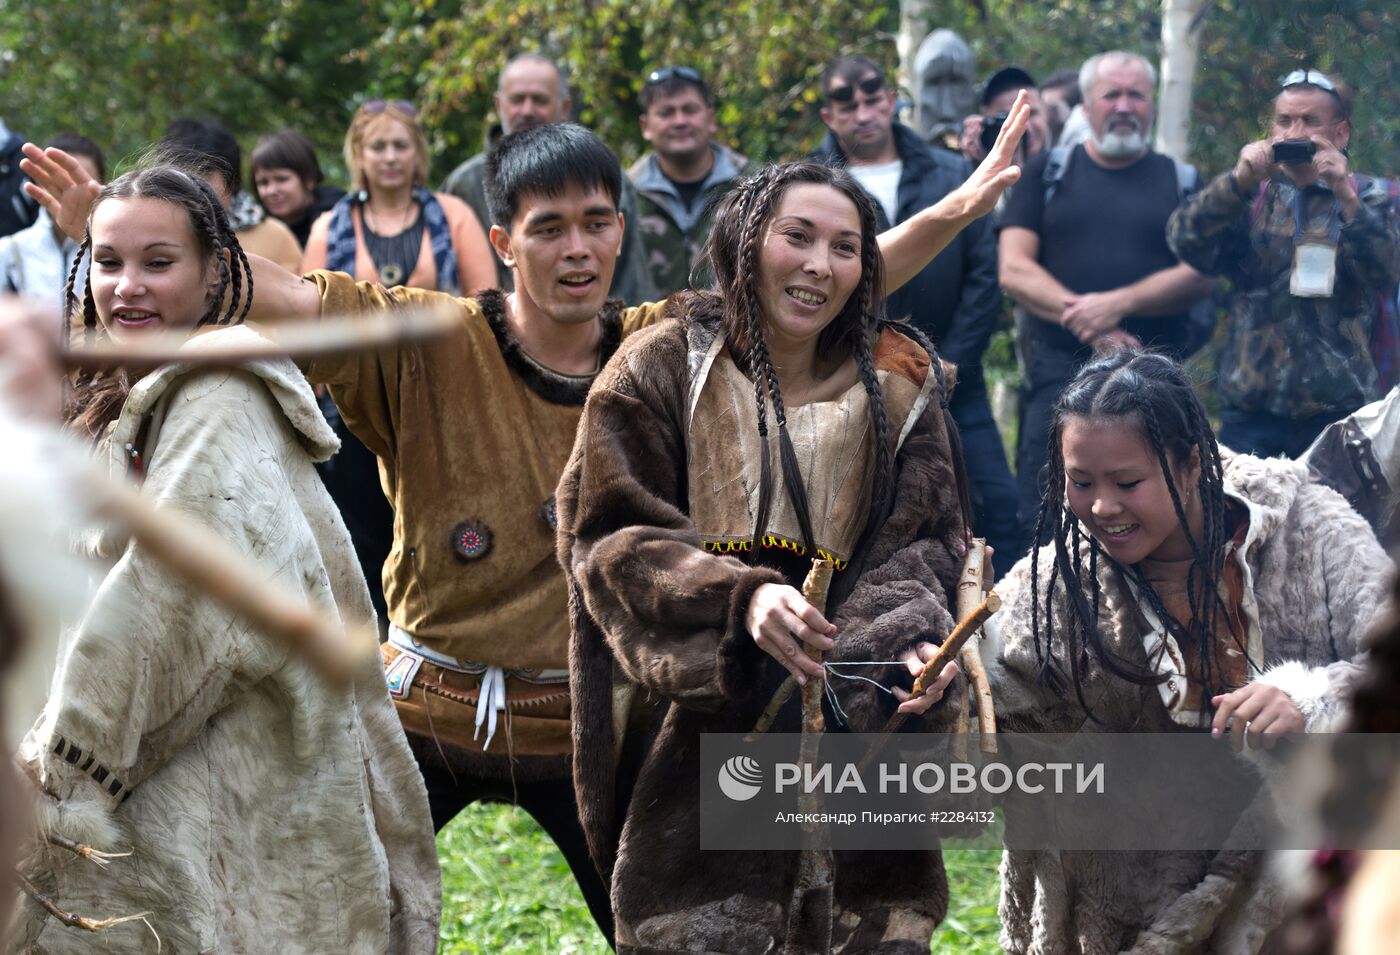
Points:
x=532, y=90
x=678, y=180
x=1083, y=251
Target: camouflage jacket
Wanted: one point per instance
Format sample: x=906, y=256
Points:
x=1288, y=356
x=630, y=280
x=672, y=235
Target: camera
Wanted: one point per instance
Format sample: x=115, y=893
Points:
x=991, y=129
x=1294, y=152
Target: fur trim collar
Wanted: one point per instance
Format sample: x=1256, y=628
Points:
x=548, y=384
x=286, y=383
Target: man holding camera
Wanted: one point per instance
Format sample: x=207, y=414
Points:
x=954, y=300
x=1310, y=249
x=998, y=94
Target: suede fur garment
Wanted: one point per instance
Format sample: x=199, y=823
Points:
x=657, y=616
x=263, y=809
x=1317, y=583
x=471, y=435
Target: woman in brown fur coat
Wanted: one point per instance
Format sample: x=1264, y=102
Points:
x=685, y=523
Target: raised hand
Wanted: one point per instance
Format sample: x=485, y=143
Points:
x=62, y=186
x=995, y=174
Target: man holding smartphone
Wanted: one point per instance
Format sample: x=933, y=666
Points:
x=1311, y=249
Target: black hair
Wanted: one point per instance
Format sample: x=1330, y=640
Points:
x=287, y=149
x=673, y=84
x=736, y=237
x=211, y=148
x=97, y=399
x=76, y=145
x=850, y=69
x=1154, y=393
x=546, y=160
x=1067, y=80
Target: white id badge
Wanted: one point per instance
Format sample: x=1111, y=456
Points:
x=1314, y=270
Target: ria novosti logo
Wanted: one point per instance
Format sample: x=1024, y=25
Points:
x=740, y=778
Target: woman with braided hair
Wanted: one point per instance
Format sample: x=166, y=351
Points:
x=1183, y=588
x=777, y=419
x=252, y=802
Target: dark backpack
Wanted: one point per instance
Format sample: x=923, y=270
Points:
x=1201, y=318
x=17, y=210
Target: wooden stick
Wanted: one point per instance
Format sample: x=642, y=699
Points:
x=770, y=712
x=969, y=592
x=961, y=726
x=68, y=918
x=815, y=589
x=208, y=563
x=949, y=648
x=84, y=851
x=946, y=651
x=812, y=888
x=333, y=334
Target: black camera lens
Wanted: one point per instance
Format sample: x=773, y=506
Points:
x=991, y=129
x=1294, y=152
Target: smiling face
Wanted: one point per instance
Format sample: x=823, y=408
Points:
x=809, y=263
x=563, y=249
x=388, y=154
x=679, y=124
x=1114, y=485
x=148, y=269
x=282, y=192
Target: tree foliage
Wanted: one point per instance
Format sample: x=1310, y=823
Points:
x=119, y=71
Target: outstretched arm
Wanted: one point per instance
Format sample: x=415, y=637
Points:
x=60, y=184
x=912, y=244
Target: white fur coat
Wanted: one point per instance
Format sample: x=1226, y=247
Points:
x=265, y=810
x=1319, y=580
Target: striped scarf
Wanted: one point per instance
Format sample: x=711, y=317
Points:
x=340, y=240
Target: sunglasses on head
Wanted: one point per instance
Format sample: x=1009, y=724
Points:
x=844, y=94
x=374, y=106
x=683, y=72
x=1311, y=78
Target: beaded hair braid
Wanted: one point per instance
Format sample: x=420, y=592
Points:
x=97, y=398
x=740, y=222
x=1153, y=392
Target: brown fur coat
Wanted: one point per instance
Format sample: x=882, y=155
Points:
x=648, y=606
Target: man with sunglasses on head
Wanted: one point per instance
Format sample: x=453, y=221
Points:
x=955, y=300
x=680, y=178
x=1310, y=249
x=532, y=90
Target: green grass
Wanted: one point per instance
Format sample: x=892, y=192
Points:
x=506, y=890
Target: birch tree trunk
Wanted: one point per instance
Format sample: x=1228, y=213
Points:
x=1178, y=72
x=914, y=19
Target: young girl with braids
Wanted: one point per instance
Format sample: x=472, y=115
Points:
x=779, y=419
x=1183, y=589
x=257, y=804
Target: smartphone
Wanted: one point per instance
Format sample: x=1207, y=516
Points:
x=1294, y=151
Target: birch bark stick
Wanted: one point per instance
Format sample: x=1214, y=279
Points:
x=968, y=595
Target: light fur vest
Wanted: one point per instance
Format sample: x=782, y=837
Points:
x=1319, y=582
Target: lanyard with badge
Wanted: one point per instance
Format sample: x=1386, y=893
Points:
x=1314, y=260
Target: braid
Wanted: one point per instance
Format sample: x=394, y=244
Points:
x=1152, y=390
x=70, y=298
